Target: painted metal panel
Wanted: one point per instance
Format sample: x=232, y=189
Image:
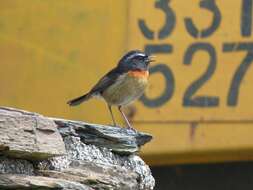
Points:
x=198, y=104
x=204, y=51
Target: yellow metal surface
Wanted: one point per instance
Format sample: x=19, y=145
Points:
x=184, y=143
x=198, y=102
x=208, y=79
x=52, y=51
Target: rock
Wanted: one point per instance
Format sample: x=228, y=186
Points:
x=37, y=152
x=25, y=182
x=97, y=176
x=99, y=167
x=28, y=135
x=16, y=166
x=120, y=140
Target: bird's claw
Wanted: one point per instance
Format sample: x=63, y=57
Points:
x=132, y=129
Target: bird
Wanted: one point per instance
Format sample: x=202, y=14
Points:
x=122, y=85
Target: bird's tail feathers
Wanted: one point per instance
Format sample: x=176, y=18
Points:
x=80, y=99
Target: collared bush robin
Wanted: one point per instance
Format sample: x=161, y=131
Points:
x=123, y=84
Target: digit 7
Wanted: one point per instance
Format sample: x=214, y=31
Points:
x=233, y=93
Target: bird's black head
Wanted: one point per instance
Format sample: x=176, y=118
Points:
x=134, y=60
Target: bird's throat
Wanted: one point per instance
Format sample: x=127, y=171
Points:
x=138, y=73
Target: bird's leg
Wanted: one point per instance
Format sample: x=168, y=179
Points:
x=128, y=123
x=113, y=120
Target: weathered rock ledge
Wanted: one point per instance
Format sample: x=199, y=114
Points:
x=38, y=152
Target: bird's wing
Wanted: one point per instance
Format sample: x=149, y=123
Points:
x=106, y=81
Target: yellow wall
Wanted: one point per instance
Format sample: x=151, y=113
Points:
x=202, y=131
x=52, y=51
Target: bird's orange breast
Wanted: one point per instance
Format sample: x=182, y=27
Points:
x=138, y=74
x=129, y=87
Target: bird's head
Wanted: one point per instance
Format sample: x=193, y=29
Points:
x=135, y=60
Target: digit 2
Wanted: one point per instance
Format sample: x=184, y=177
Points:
x=200, y=101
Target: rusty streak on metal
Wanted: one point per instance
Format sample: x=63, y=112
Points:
x=193, y=127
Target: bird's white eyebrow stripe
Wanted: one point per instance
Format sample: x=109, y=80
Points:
x=139, y=54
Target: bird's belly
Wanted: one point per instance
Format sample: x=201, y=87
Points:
x=125, y=91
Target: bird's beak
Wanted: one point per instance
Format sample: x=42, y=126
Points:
x=151, y=58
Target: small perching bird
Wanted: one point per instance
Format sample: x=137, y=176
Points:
x=123, y=84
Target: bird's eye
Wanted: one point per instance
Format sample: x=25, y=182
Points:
x=140, y=58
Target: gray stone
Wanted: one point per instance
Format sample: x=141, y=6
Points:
x=28, y=135
x=16, y=166
x=24, y=182
x=98, y=165
x=120, y=140
x=43, y=153
x=97, y=176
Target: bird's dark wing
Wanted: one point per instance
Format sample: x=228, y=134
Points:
x=106, y=81
x=102, y=84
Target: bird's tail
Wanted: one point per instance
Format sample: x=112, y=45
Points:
x=79, y=100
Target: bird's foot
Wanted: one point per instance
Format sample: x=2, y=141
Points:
x=132, y=129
